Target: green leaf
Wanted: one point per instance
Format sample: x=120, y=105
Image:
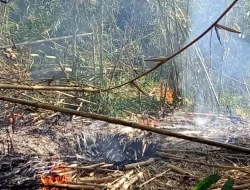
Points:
x=207, y=182
x=228, y=185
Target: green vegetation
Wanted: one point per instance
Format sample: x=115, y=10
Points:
x=117, y=42
x=212, y=179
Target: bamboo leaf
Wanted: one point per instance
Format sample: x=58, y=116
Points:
x=227, y=29
x=207, y=182
x=228, y=185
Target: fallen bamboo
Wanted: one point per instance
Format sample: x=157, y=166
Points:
x=132, y=180
x=49, y=88
x=88, y=184
x=144, y=163
x=97, y=180
x=126, y=123
x=182, y=171
x=118, y=183
x=69, y=186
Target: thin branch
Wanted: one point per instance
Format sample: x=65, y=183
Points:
x=125, y=123
x=161, y=61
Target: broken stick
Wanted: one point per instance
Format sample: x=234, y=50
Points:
x=144, y=163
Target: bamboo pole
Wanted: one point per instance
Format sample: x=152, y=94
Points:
x=48, y=88
x=101, y=44
x=126, y=123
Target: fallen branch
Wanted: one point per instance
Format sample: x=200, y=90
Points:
x=49, y=88
x=126, y=123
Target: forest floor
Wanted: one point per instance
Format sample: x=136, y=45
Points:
x=57, y=136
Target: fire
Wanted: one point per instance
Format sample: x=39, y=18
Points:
x=57, y=175
x=169, y=95
x=163, y=93
x=149, y=121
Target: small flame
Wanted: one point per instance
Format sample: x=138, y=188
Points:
x=58, y=175
x=169, y=95
x=149, y=122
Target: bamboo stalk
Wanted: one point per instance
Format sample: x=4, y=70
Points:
x=46, y=40
x=69, y=186
x=145, y=163
x=126, y=123
x=117, y=183
x=182, y=171
x=132, y=180
x=88, y=184
x=97, y=180
x=48, y=88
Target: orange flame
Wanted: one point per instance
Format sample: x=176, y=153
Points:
x=149, y=122
x=53, y=178
x=170, y=96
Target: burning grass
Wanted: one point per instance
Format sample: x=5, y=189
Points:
x=57, y=175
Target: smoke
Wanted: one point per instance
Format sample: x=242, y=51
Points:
x=222, y=54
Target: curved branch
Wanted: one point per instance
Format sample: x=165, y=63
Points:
x=161, y=61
